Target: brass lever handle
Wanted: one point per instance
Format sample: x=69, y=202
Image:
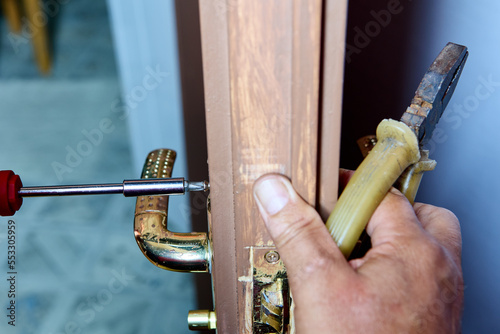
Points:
x=184, y=252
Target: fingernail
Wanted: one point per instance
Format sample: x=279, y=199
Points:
x=272, y=195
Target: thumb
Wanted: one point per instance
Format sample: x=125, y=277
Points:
x=296, y=228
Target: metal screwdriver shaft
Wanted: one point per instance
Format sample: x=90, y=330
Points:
x=90, y=189
x=12, y=190
x=141, y=187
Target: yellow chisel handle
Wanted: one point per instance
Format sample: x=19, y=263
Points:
x=396, y=149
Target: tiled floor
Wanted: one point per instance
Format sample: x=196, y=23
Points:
x=79, y=269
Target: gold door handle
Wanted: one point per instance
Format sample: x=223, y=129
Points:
x=183, y=252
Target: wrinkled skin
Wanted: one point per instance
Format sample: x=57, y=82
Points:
x=409, y=282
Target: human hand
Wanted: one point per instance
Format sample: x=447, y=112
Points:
x=409, y=282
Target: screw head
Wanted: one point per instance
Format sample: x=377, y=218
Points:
x=272, y=257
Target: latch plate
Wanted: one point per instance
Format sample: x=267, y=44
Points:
x=271, y=297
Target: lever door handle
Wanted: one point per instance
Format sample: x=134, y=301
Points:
x=184, y=252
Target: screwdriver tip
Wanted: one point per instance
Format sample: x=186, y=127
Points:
x=198, y=186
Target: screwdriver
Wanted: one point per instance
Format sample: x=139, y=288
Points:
x=12, y=190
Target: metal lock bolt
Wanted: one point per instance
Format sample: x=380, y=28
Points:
x=200, y=320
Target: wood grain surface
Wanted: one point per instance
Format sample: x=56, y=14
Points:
x=263, y=67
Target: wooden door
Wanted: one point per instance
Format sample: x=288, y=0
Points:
x=273, y=75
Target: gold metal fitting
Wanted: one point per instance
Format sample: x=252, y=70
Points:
x=201, y=320
x=184, y=252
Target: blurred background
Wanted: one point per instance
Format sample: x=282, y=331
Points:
x=382, y=73
x=112, y=94
x=125, y=78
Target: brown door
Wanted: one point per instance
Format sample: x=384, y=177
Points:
x=273, y=75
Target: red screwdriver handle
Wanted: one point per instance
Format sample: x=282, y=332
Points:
x=10, y=201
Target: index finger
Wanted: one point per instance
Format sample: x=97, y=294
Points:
x=443, y=226
x=393, y=228
x=394, y=220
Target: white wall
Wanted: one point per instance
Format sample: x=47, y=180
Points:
x=145, y=37
x=467, y=179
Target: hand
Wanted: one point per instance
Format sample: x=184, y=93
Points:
x=409, y=282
